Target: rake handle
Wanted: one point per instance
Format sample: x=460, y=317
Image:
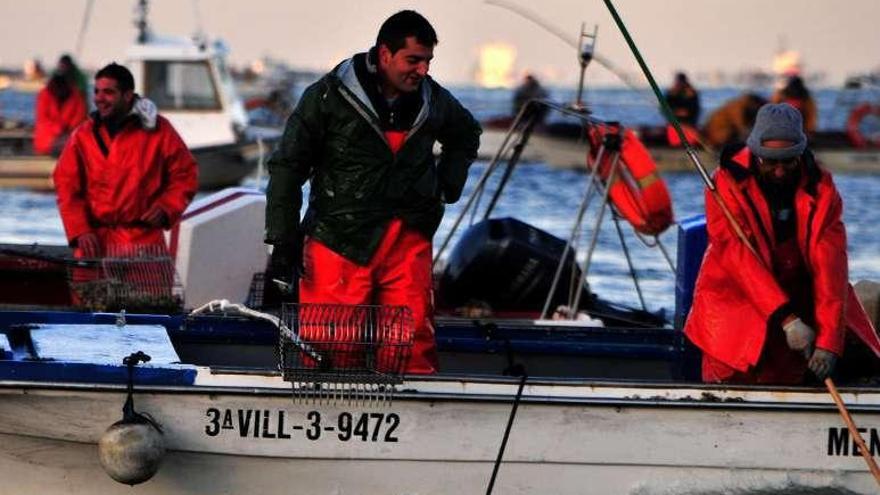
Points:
x=853, y=430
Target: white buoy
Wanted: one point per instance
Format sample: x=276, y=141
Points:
x=131, y=452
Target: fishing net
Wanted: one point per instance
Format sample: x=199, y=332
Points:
x=138, y=279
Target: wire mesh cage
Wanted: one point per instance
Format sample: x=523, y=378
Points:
x=135, y=278
x=341, y=350
x=256, y=292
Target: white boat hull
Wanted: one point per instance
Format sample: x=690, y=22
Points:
x=444, y=439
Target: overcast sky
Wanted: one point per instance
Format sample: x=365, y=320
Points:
x=839, y=37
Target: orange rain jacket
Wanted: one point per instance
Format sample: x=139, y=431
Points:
x=108, y=192
x=54, y=118
x=737, y=297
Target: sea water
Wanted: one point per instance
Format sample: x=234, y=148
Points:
x=548, y=198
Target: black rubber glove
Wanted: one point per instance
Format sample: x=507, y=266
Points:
x=286, y=265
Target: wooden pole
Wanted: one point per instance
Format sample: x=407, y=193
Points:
x=853, y=430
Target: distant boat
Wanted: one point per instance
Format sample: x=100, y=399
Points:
x=563, y=145
x=188, y=79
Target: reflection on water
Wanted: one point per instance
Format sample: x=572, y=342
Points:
x=549, y=198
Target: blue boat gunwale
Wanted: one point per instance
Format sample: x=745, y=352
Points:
x=453, y=334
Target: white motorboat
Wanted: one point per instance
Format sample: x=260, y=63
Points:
x=231, y=430
x=188, y=79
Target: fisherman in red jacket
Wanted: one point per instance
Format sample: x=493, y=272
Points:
x=767, y=318
x=125, y=174
x=60, y=108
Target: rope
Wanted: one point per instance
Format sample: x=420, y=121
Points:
x=516, y=400
x=224, y=306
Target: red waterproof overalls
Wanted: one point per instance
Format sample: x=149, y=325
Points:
x=398, y=274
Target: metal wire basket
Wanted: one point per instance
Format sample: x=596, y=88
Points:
x=138, y=279
x=345, y=351
x=256, y=292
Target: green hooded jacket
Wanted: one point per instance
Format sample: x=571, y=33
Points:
x=358, y=185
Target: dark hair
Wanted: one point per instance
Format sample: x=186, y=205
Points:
x=753, y=104
x=59, y=86
x=120, y=74
x=397, y=28
x=796, y=89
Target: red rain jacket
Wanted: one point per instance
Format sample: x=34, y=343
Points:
x=108, y=194
x=54, y=118
x=736, y=293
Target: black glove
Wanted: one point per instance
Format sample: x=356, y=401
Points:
x=286, y=265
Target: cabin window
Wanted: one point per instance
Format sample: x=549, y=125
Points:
x=181, y=86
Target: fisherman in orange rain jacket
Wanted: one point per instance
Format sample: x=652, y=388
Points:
x=60, y=108
x=731, y=122
x=767, y=318
x=125, y=174
x=796, y=94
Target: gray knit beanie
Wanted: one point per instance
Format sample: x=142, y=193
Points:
x=782, y=122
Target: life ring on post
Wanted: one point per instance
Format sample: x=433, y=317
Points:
x=854, y=123
x=256, y=102
x=638, y=193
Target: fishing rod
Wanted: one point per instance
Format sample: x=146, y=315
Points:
x=670, y=117
x=83, y=27
x=565, y=38
x=535, y=18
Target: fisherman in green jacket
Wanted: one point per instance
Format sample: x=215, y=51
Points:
x=364, y=136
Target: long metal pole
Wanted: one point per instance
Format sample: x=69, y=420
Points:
x=513, y=161
x=575, y=233
x=612, y=176
x=481, y=183
x=670, y=117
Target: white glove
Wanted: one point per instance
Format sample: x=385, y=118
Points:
x=799, y=336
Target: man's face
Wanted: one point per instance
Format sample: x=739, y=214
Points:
x=405, y=68
x=778, y=172
x=109, y=100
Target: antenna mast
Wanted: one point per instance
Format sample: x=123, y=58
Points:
x=140, y=21
x=586, y=48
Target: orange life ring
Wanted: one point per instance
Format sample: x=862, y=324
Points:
x=256, y=102
x=853, y=124
x=638, y=192
x=690, y=134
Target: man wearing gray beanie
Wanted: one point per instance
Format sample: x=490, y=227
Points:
x=768, y=318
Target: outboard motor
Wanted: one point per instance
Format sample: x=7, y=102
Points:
x=509, y=266
x=131, y=450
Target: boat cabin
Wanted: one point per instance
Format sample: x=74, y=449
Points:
x=188, y=80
